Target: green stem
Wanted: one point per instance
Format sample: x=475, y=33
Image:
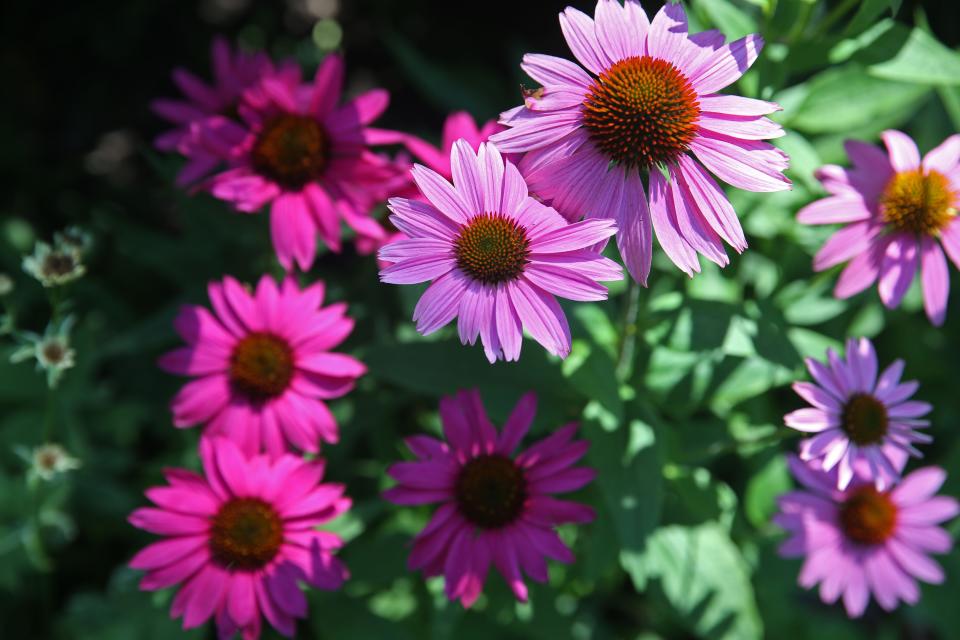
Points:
x=736, y=445
x=835, y=14
x=628, y=332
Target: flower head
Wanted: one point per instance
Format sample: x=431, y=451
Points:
x=54, y=266
x=857, y=415
x=50, y=460
x=647, y=107
x=240, y=539
x=297, y=150
x=898, y=211
x=497, y=508
x=235, y=72
x=52, y=350
x=496, y=256
x=862, y=541
x=263, y=365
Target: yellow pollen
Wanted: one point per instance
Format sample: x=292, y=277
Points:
x=918, y=203
x=642, y=112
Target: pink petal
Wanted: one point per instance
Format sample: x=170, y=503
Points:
x=327, y=86
x=846, y=243
x=550, y=70
x=578, y=31
x=834, y=210
x=440, y=302
x=441, y=194
x=945, y=157
x=727, y=64
x=750, y=165
x=935, y=278
x=897, y=270
x=917, y=487
x=904, y=155
x=541, y=316
x=634, y=230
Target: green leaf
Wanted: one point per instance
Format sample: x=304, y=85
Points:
x=867, y=12
x=950, y=96
x=724, y=15
x=921, y=60
x=840, y=99
x=772, y=480
x=704, y=577
x=629, y=477
x=591, y=372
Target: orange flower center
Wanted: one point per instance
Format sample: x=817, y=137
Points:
x=291, y=150
x=642, y=112
x=865, y=419
x=492, y=248
x=868, y=516
x=246, y=534
x=491, y=491
x=261, y=366
x=918, y=203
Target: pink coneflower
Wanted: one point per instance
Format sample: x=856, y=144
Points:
x=234, y=72
x=263, y=365
x=898, y=208
x=457, y=125
x=308, y=158
x=862, y=541
x=240, y=539
x=496, y=256
x=649, y=104
x=858, y=416
x=496, y=508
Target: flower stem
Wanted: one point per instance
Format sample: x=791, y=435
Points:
x=628, y=332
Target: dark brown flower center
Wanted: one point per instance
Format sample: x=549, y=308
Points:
x=246, y=534
x=291, y=150
x=868, y=516
x=492, y=248
x=53, y=351
x=58, y=263
x=919, y=203
x=491, y=491
x=642, y=112
x=261, y=366
x=865, y=419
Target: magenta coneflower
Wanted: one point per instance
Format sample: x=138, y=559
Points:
x=497, y=509
x=263, y=365
x=858, y=416
x=898, y=209
x=862, y=541
x=649, y=104
x=308, y=158
x=234, y=72
x=496, y=256
x=241, y=538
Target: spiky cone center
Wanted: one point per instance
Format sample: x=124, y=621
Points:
x=246, y=534
x=492, y=248
x=491, y=491
x=261, y=366
x=642, y=112
x=918, y=203
x=292, y=150
x=864, y=419
x=868, y=516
